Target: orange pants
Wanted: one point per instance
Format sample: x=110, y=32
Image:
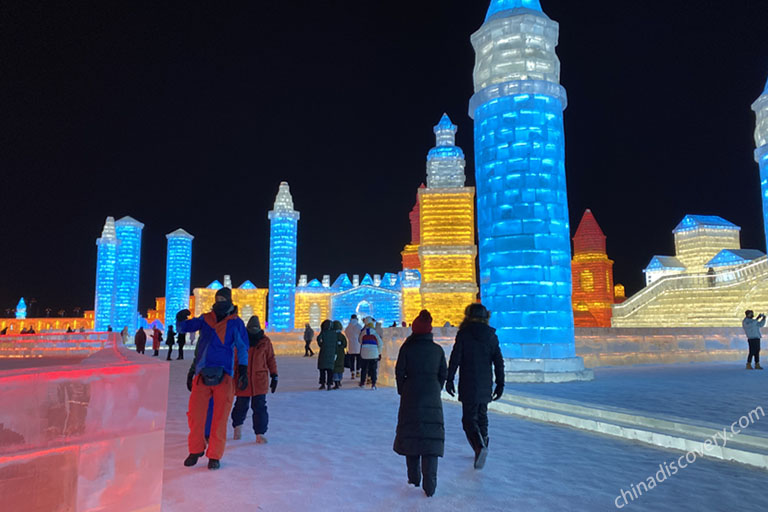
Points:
x=223, y=395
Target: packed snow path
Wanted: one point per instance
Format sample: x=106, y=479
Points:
x=332, y=451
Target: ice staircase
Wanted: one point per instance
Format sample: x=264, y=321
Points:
x=689, y=300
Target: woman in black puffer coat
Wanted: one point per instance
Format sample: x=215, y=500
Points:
x=421, y=373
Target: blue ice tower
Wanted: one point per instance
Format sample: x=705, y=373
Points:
x=178, y=268
x=522, y=204
x=21, y=309
x=761, y=153
x=284, y=222
x=126, y=308
x=106, y=265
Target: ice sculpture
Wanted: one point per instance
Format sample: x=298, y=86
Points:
x=178, y=268
x=81, y=433
x=524, y=235
x=282, y=261
x=447, y=248
x=106, y=263
x=761, y=153
x=592, y=274
x=126, y=308
x=21, y=309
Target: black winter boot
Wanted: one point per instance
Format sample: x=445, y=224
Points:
x=214, y=464
x=481, y=452
x=191, y=460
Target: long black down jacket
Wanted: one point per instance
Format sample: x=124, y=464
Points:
x=420, y=373
x=476, y=348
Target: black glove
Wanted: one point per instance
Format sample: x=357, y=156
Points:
x=190, y=378
x=379, y=357
x=449, y=388
x=242, y=377
x=273, y=383
x=498, y=392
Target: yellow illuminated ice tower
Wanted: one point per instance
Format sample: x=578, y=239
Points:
x=447, y=247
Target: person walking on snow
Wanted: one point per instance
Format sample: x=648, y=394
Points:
x=140, y=339
x=341, y=346
x=157, y=337
x=181, y=341
x=326, y=357
x=352, y=333
x=370, y=352
x=421, y=372
x=262, y=375
x=221, y=331
x=309, y=335
x=752, y=327
x=475, y=350
x=171, y=339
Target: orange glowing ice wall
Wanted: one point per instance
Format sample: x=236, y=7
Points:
x=592, y=272
x=447, y=249
x=411, y=252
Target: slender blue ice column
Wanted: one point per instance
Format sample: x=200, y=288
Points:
x=106, y=264
x=284, y=222
x=126, y=307
x=522, y=205
x=178, y=268
x=21, y=309
x=761, y=153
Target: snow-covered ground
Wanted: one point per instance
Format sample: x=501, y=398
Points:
x=716, y=393
x=331, y=451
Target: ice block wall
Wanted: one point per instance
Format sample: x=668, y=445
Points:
x=82, y=432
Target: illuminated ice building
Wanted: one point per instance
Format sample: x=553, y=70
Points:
x=709, y=282
x=117, y=275
x=761, y=153
x=522, y=205
x=178, y=268
x=284, y=222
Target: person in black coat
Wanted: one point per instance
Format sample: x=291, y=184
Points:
x=475, y=350
x=170, y=340
x=421, y=373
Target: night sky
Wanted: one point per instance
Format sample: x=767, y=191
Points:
x=189, y=114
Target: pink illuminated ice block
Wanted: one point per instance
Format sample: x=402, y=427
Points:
x=82, y=424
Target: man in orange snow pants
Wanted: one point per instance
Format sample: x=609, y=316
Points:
x=221, y=331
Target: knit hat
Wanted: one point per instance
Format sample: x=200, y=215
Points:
x=423, y=323
x=254, y=325
x=224, y=292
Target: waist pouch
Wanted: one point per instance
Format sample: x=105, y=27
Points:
x=212, y=376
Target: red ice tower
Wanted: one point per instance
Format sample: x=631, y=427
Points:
x=592, y=272
x=411, y=252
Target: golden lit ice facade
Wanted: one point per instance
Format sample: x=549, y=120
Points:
x=709, y=282
x=249, y=300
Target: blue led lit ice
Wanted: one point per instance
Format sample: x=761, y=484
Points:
x=445, y=162
x=106, y=265
x=178, y=268
x=383, y=304
x=761, y=153
x=126, y=308
x=734, y=257
x=21, y=309
x=282, y=261
x=522, y=204
x=694, y=222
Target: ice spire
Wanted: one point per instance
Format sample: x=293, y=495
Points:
x=445, y=162
x=504, y=5
x=284, y=200
x=21, y=309
x=109, y=233
x=445, y=131
x=282, y=261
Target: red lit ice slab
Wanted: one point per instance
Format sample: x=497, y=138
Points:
x=85, y=435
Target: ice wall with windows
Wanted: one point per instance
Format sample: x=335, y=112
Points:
x=761, y=153
x=178, y=269
x=284, y=221
x=522, y=205
x=127, y=271
x=106, y=263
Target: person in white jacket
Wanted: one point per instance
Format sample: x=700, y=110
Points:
x=352, y=332
x=370, y=352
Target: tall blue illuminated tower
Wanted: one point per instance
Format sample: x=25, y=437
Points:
x=21, y=309
x=178, y=268
x=284, y=222
x=522, y=204
x=126, y=306
x=106, y=264
x=761, y=153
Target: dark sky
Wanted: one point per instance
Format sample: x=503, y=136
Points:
x=189, y=114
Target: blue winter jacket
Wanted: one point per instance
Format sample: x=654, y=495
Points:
x=217, y=341
x=752, y=328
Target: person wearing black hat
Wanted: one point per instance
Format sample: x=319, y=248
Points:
x=475, y=350
x=212, y=375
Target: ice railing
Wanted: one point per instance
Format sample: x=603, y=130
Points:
x=719, y=280
x=55, y=345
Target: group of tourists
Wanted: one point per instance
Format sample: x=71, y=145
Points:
x=231, y=360
x=236, y=363
x=358, y=347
